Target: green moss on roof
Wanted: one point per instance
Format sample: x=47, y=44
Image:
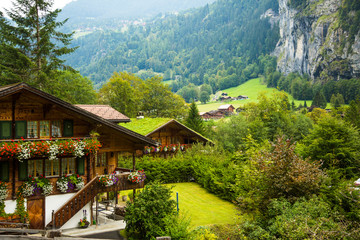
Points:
x=146, y=125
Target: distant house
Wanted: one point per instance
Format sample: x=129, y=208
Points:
x=165, y=131
x=214, y=114
x=227, y=108
x=106, y=112
x=225, y=98
x=242, y=97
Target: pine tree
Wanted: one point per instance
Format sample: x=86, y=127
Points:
x=32, y=34
x=194, y=121
x=319, y=100
x=305, y=105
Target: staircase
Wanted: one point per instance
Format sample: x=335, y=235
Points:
x=85, y=195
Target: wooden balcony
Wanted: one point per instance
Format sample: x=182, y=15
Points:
x=88, y=193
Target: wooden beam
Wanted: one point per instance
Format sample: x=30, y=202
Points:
x=13, y=179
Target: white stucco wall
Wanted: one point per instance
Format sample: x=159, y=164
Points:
x=10, y=206
x=73, y=222
x=55, y=202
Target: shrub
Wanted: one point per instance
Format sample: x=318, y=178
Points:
x=148, y=215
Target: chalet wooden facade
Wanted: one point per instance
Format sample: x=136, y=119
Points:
x=28, y=115
x=173, y=132
x=169, y=134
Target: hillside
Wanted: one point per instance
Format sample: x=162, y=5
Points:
x=251, y=88
x=126, y=10
x=214, y=43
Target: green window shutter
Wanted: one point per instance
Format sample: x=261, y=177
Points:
x=23, y=170
x=5, y=130
x=4, y=171
x=20, y=129
x=68, y=128
x=80, y=165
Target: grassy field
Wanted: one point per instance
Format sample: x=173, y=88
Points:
x=251, y=88
x=201, y=206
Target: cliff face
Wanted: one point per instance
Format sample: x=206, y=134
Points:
x=311, y=42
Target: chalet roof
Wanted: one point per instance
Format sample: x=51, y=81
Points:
x=224, y=107
x=105, y=111
x=16, y=88
x=148, y=126
x=145, y=126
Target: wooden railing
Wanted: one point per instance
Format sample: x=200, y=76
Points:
x=85, y=195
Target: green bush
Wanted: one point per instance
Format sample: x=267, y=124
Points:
x=148, y=215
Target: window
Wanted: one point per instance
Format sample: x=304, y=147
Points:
x=44, y=129
x=68, y=166
x=80, y=165
x=32, y=129
x=101, y=160
x=20, y=129
x=23, y=170
x=5, y=130
x=56, y=129
x=4, y=171
x=68, y=128
x=35, y=167
x=52, y=167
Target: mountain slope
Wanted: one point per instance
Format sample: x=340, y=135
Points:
x=125, y=9
x=211, y=44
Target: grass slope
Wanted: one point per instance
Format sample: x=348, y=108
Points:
x=251, y=88
x=201, y=206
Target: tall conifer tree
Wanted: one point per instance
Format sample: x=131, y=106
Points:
x=31, y=43
x=194, y=121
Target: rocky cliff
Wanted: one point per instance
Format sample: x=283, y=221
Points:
x=313, y=42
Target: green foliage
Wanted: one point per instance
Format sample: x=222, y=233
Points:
x=337, y=100
x=304, y=219
x=319, y=100
x=335, y=143
x=193, y=120
x=31, y=34
x=130, y=94
x=276, y=173
x=352, y=114
x=204, y=97
x=230, y=133
x=148, y=216
x=73, y=88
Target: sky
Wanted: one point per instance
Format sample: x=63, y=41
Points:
x=57, y=3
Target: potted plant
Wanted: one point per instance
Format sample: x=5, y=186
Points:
x=108, y=180
x=84, y=223
x=69, y=183
x=37, y=186
x=137, y=176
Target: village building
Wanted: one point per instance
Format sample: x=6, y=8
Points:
x=106, y=112
x=228, y=108
x=166, y=132
x=44, y=139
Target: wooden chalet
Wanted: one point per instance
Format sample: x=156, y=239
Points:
x=227, y=108
x=166, y=131
x=28, y=115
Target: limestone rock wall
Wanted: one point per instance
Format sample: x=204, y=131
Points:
x=310, y=42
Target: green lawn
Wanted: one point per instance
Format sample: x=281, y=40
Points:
x=251, y=88
x=201, y=206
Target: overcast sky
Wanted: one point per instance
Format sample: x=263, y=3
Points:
x=57, y=3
